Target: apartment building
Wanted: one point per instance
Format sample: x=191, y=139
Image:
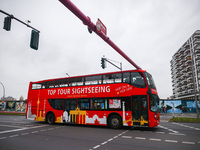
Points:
x=185, y=69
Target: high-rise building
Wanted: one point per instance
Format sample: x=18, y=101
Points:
x=185, y=69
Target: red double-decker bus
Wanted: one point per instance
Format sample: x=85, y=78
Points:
x=116, y=99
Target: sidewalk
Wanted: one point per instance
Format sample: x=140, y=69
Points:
x=168, y=116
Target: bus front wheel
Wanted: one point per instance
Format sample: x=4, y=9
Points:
x=50, y=119
x=115, y=122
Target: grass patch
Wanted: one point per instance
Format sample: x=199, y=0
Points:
x=185, y=119
x=15, y=114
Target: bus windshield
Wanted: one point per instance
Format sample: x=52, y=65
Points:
x=154, y=103
x=150, y=81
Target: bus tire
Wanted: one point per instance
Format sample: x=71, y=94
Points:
x=115, y=122
x=50, y=119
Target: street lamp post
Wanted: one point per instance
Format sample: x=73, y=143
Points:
x=173, y=108
x=3, y=90
x=194, y=71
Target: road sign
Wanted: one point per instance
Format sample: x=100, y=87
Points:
x=101, y=27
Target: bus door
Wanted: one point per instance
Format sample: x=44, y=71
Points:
x=69, y=104
x=140, y=110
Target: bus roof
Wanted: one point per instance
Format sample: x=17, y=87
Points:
x=89, y=75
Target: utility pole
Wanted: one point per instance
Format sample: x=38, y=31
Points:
x=3, y=90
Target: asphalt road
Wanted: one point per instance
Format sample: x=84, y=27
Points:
x=17, y=133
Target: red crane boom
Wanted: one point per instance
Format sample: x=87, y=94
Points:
x=87, y=21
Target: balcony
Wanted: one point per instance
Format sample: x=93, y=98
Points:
x=197, y=41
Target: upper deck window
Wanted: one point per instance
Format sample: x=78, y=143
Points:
x=36, y=86
x=92, y=80
x=137, y=80
x=112, y=78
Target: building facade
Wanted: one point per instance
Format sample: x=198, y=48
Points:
x=185, y=69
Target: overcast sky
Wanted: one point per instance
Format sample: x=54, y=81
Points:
x=148, y=31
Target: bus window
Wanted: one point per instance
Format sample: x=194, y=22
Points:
x=115, y=103
x=108, y=79
x=56, y=103
x=83, y=104
x=126, y=77
x=117, y=77
x=69, y=104
x=92, y=80
x=36, y=86
x=137, y=80
x=98, y=104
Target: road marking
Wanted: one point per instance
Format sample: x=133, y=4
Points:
x=140, y=138
x=186, y=126
x=171, y=141
x=115, y=137
x=26, y=128
x=35, y=132
x=127, y=137
x=14, y=135
x=152, y=139
x=161, y=132
x=168, y=129
x=105, y=142
x=1, y=138
x=24, y=133
x=96, y=146
x=176, y=133
x=185, y=142
x=11, y=126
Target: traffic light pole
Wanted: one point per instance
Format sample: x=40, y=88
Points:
x=105, y=59
x=92, y=27
x=19, y=20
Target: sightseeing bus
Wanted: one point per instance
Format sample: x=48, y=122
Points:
x=116, y=99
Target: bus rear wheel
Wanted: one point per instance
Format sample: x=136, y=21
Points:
x=50, y=119
x=115, y=122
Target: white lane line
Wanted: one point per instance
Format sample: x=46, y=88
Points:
x=35, y=132
x=110, y=139
x=96, y=146
x=14, y=135
x=24, y=133
x=127, y=137
x=11, y=126
x=185, y=142
x=168, y=129
x=140, y=138
x=152, y=139
x=115, y=137
x=176, y=134
x=171, y=141
x=105, y=142
x=161, y=132
x=186, y=126
x=26, y=128
x=1, y=138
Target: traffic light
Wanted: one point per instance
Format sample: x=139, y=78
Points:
x=34, y=40
x=7, y=23
x=103, y=63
